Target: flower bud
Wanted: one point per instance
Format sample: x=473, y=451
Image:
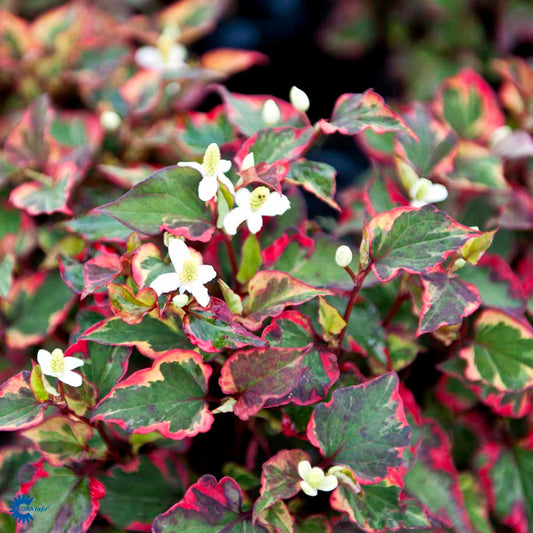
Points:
x=180, y=300
x=211, y=159
x=271, y=112
x=110, y=120
x=248, y=161
x=343, y=256
x=299, y=99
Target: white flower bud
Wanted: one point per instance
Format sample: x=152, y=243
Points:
x=343, y=256
x=299, y=99
x=180, y=300
x=271, y=112
x=248, y=161
x=110, y=120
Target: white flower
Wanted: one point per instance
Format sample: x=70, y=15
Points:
x=271, y=112
x=55, y=364
x=299, y=99
x=190, y=276
x=110, y=120
x=253, y=206
x=167, y=56
x=213, y=171
x=314, y=479
x=424, y=191
x=343, y=256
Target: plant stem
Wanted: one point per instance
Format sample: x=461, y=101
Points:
x=401, y=297
x=231, y=255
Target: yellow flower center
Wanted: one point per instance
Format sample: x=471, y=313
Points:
x=211, y=159
x=165, y=43
x=314, y=478
x=189, y=271
x=258, y=197
x=57, y=363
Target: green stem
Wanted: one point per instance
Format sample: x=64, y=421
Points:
x=38, y=176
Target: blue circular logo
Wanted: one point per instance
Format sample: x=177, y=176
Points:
x=19, y=509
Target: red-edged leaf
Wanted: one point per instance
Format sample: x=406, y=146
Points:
x=213, y=329
x=271, y=291
x=231, y=60
x=280, y=479
x=152, y=336
x=265, y=174
x=245, y=112
x=19, y=408
x=299, y=375
x=169, y=397
x=501, y=353
x=467, y=102
x=167, y=200
x=209, y=507
x=72, y=501
x=507, y=474
x=433, y=479
x=354, y=113
x=363, y=427
x=147, y=264
x=414, y=240
x=99, y=271
x=129, y=307
x=446, y=300
x=138, y=491
x=290, y=330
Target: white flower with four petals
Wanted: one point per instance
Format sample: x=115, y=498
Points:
x=190, y=276
x=314, y=479
x=55, y=364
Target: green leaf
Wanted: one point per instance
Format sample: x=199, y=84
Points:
x=379, y=508
x=329, y=318
x=271, y=291
x=354, y=113
x=232, y=299
x=6, y=274
x=71, y=501
x=476, y=503
x=363, y=427
x=209, y=507
x=280, y=479
x=290, y=330
x=147, y=264
x=213, y=329
x=136, y=493
x=19, y=408
x=277, y=516
x=12, y=459
x=71, y=272
x=446, y=300
x=129, y=307
x=316, y=178
x=152, y=336
x=250, y=259
x=61, y=440
x=501, y=354
x=299, y=375
x=42, y=302
x=98, y=227
x=169, y=397
x=167, y=200
x=414, y=240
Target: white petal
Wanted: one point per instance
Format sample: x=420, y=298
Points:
x=437, y=193
x=192, y=164
x=207, y=189
x=224, y=166
x=242, y=197
x=255, y=222
x=178, y=252
x=149, y=57
x=72, y=362
x=328, y=483
x=177, y=55
x=44, y=358
x=310, y=491
x=70, y=378
x=304, y=467
x=227, y=182
x=200, y=293
x=165, y=283
x=275, y=204
x=234, y=218
x=206, y=273
x=417, y=203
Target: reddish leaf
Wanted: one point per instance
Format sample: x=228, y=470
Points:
x=299, y=375
x=99, y=271
x=265, y=174
x=232, y=60
x=129, y=307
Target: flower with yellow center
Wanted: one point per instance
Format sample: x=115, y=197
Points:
x=190, y=274
x=314, y=479
x=253, y=206
x=424, y=191
x=55, y=364
x=168, y=56
x=213, y=170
